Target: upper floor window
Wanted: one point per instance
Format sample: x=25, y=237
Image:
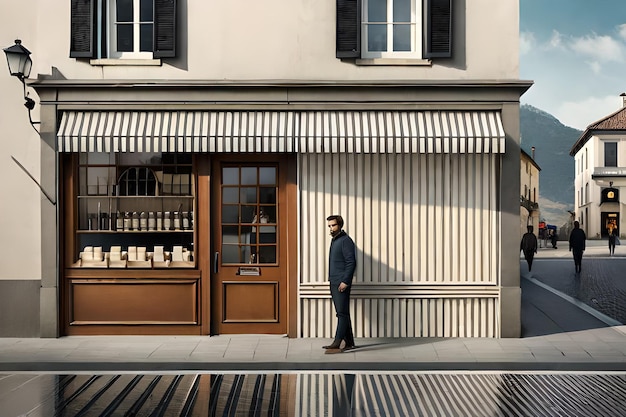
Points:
x=390, y=29
x=132, y=27
x=123, y=29
x=394, y=28
x=610, y=154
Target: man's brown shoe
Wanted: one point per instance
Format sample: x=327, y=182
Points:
x=332, y=346
x=334, y=350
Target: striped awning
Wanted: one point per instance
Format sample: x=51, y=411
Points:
x=282, y=131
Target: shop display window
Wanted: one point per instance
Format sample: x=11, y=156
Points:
x=135, y=210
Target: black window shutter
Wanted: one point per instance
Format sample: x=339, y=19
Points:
x=164, y=28
x=438, y=33
x=82, y=26
x=348, y=28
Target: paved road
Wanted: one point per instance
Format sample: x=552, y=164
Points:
x=601, y=284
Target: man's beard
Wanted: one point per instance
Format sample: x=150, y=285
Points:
x=334, y=233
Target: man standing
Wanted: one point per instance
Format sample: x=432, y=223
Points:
x=341, y=266
x=529, y=246
x=577, y=244
x=612, y=240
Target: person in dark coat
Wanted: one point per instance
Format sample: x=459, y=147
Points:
x=553, y=238
x=341, y=266
x=529, y=246
x=612, y=236
x=577, y=244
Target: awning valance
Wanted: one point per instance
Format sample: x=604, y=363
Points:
x=282, y=131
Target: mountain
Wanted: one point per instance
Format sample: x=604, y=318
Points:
x=552, y=141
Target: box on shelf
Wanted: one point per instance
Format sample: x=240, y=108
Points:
x=135, y=257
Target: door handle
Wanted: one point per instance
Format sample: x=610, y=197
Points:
x=216, y=257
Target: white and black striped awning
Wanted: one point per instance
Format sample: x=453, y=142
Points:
x=282, y=131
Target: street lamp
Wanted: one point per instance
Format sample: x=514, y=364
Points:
x=19, y=60
x=20, y=64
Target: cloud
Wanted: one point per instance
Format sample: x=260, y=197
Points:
x=554, y=212
x=602, y=48
x=581, y=114
x=556, y=41
x=527, y=42
x=595, y=67
x=596, y=50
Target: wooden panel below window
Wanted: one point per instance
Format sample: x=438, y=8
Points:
x=133, y=302
x=246, y=302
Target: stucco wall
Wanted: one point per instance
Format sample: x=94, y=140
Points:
x=278, y=39
x=20, y=208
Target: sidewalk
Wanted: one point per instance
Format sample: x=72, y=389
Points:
x=595, y=249
x=563, y=337
x=599, y=349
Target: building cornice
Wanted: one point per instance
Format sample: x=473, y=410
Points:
x=278, y=94
x=521, y=85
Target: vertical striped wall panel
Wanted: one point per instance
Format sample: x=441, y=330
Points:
x=405, y=317
x=419, y=219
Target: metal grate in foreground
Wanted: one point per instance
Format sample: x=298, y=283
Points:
x=403, y=394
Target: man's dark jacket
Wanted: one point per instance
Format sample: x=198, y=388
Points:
x=577, y=240
x=529, y=243
x=341, y=259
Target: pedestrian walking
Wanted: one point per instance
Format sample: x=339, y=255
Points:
x=553, y=238
x=341, y=266
x=528, y=246
x=612, y=240
x=577, y=240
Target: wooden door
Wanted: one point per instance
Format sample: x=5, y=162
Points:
x=249, y=221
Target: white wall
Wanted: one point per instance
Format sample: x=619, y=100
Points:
x=20, y=244
x=280, y=39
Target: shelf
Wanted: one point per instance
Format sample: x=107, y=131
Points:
x=131, y=231
x=135, y=197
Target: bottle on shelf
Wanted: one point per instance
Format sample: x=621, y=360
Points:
x=119, y=221
x=167, y=221
x=143, y=221
x=177, y=220
x=179, y=213
x=159, y=220
x=104, y=221
x=127, y=221
x=135, y=221
x=151, y=221
x=92, y=221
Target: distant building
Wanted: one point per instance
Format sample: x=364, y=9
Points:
x=529, y=192
x=600, y=155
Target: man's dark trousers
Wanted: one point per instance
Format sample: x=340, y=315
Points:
x=578, y=258
x=341, y=300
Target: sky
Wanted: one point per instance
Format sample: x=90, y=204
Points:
x=575, y=52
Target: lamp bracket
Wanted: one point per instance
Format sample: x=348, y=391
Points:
x=29, y=103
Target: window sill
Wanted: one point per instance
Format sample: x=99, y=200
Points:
x=394, y=62
x=126, y=62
